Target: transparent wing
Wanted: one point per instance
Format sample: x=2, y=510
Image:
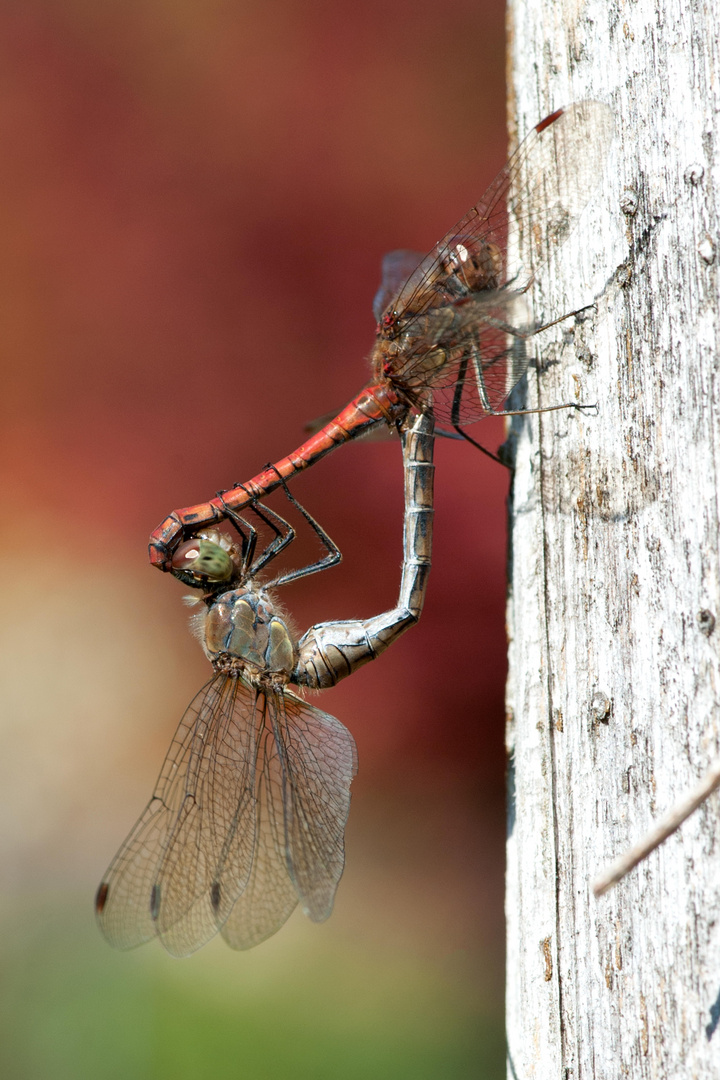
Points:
x=163, y=881
x=545, y=185
x=397, y=267
x=248, y=814
x=469, y=355
x=269, y=897
x=308, y=762
x=319, y=761
x=452, y=317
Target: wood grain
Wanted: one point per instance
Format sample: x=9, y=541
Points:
x=614, y=573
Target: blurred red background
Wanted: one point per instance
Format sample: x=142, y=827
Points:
x=194, y=202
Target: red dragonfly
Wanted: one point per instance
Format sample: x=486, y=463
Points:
x=452, y=327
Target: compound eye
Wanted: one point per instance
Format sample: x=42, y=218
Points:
x=204, y=559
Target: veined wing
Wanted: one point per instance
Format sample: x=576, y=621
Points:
x=469, y=355
x=319, y=761
x=461, y=318
x=162, y=882
x=269, y=897
x=306, y=762
x=544, y=187
x=397, y=267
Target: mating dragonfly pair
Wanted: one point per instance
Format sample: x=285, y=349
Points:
x=249, y=812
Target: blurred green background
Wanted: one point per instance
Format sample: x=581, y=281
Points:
x=194, y=201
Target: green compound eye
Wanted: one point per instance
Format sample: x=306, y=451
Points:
x=204, y=559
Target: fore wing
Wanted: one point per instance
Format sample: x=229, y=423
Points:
x=543, y=189
x=461, y=318
x=248, y=815
x=162, y=882
x=305, y=767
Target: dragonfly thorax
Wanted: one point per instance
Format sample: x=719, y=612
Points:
x=244, y=637
x=470, y=265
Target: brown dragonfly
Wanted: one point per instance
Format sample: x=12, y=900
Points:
x=248, y=815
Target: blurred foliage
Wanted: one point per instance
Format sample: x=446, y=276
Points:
x=73, y=1010
x=194, y=200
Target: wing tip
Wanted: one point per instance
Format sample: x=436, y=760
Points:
x=101, y=897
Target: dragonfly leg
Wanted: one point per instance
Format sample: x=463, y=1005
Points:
x=479, y=383
x=577, y=405
x=478, y=446
x=247, y=533
x=561, y=318
x=377, y=404
x=284, y=533
x=330, y=651
x=457, y=400
x=333, y=551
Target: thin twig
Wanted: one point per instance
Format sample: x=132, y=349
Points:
x=660, y=832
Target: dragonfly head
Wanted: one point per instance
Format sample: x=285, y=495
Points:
x=387, y=324
x=203, y=564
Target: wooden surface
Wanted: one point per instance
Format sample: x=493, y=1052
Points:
x=614, y=576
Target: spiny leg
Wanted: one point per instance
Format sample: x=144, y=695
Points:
x=455, y=412
x=241, y=525
x=521, y=412
x=284, y=535
x=333, y=556
x=478, y=446
x=482, y=392
x=524, y=336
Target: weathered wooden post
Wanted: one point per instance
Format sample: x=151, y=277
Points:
x=614, y=684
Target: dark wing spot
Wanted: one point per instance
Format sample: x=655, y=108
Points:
x=155, y=901
x=549, y=120
x=101, y=897
x=215, y=895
